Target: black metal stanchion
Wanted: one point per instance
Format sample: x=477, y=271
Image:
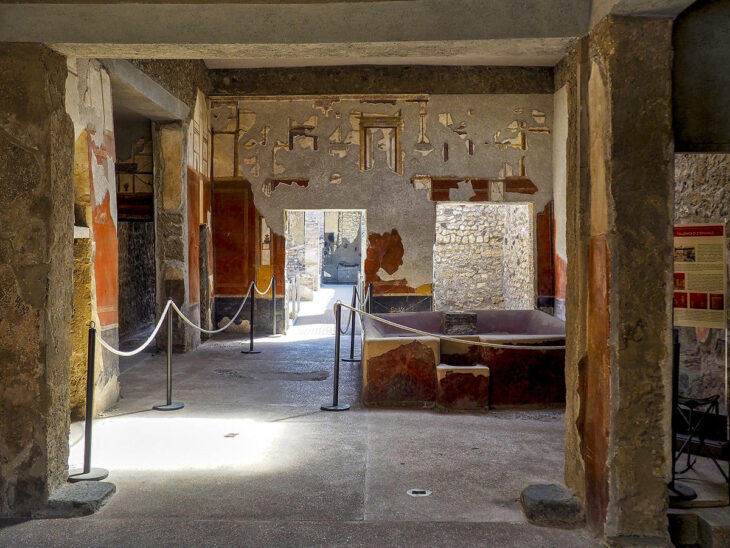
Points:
x=336, y=405
x=250, y=331
x=370, y=298
x=352, y=329
x=89, y=473
x=273, y=305
x=678, y=492
x=169, y=405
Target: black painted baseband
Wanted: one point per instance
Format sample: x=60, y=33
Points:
x=225, y=307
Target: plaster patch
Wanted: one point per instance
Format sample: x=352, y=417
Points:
x=246, y=120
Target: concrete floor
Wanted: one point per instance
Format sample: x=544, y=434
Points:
x=252, y=461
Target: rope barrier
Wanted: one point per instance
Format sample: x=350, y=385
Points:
x=213, y=331
x=455, y=339
x=144, y=345
x=265, y=291
x=349, y=319
x=184, y=318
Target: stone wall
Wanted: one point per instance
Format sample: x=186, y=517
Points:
x=313, y=243
x=519, y=258
x=483, y=257
x=36, y=265
x=702, y=195
x=136, y=277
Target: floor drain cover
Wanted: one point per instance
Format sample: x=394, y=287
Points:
x=419, y=492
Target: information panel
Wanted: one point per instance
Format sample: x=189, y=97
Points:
x=699, y=275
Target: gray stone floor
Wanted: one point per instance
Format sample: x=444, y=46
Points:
x=252, y=461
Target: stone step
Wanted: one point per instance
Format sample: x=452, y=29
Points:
x=77, y=499
x=703, y=527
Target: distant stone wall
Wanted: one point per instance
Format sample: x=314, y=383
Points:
x=483, y=257
x=702, y=195
x=519, y=262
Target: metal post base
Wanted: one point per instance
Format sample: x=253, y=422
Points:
x=95, y=474
x=338, y=407
x=250, y=351
x=679, y=492
x=174, y=406
x=351, y=360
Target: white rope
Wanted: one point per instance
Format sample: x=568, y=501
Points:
x=148, y=341
x=265, y=291
x=455, y=339
x=172, y=304
x=213, y=331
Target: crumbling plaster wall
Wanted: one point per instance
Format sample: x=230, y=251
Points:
x=482, y=133
x=89, y=104
x=36, y=260
x=702, y=195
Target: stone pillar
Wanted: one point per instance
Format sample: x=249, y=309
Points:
x=171, y=242
x=206, y=286
x=620, y=251
x=36, y=265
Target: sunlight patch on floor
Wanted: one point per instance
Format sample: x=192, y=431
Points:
x=180, y=443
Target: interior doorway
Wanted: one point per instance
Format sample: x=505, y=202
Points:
x=135, y=228
x=324, y=259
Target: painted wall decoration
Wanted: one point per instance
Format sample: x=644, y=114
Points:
x=393, y=156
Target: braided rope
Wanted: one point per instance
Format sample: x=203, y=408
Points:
x=456, y=339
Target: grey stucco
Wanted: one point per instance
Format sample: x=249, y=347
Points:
x=390, y=199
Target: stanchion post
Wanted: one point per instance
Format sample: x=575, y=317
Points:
x=169, y=405
x=352, y=328
x=273, y=303
x=370, y=298
x=336, y=405
x=678, y=492
x=251, y=321
x=88, y=473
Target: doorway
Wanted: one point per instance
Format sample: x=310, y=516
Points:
x=324, y=260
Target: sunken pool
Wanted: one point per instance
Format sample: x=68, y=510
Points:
x=404, y=368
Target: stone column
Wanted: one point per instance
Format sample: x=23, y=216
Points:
x=623, y=384
x=206, y=303
x=171, y=242
x=36, y=265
